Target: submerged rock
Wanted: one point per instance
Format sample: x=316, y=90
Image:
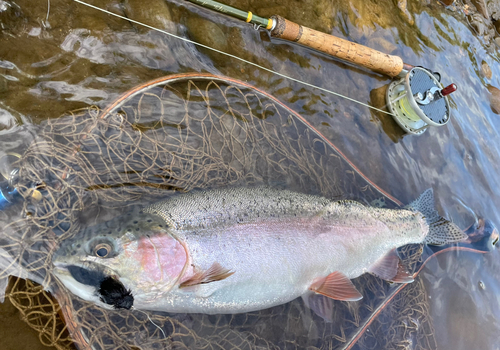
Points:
x=382, y=44
x=494, y=9
x=483, y=17
x=402, y=6
x=206, y=32
x=481, y=7
x=494, y=99
x=478, y=23
x=486, y=70
x=156, y=14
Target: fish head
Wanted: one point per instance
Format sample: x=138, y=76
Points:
x=137, y=251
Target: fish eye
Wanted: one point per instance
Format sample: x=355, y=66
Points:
x=102, y=250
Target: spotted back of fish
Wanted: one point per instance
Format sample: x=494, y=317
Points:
x=234, y=205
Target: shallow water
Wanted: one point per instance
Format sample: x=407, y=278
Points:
x=75, y=57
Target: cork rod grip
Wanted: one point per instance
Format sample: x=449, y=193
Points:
x=337, y=47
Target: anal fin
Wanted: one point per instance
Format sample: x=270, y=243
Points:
x=390, y=268
x=321, y=305
x=336, y=286
x=214, y=273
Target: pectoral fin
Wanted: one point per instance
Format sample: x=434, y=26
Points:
x=214, y=273
x=390, y=268
x=336, y=286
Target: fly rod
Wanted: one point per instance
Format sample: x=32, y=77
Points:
x=282, y=28
x=416, y=100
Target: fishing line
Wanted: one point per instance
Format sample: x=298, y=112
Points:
x=48, y=11
x=150, y=320
x=233, y=56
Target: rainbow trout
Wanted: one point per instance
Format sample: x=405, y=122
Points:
x=243, y=249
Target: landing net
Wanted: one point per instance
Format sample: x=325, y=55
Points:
x=181, y=133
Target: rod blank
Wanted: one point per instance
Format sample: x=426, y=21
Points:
x=346, y=50
x=246, y=16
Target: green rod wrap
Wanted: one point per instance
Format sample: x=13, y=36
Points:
x=246, y=16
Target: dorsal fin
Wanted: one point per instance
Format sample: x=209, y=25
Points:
x=214, y=273
x=336, y=286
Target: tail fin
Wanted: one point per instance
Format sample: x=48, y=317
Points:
x=441, y=231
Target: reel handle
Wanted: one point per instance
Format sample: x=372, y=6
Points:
x=358, y=54
x=443, y=92
x=449, y=89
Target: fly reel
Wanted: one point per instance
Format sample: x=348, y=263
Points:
x=418, y=101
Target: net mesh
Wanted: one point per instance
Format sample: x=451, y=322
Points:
x=177, y=134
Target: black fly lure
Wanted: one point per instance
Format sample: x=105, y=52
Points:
x=114, y=293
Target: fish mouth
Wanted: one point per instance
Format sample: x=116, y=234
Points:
x=84, y=281
x=86, y=274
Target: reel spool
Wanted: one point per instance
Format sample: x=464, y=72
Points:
x=419, y=100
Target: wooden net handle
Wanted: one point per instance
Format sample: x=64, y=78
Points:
x=344, y=49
